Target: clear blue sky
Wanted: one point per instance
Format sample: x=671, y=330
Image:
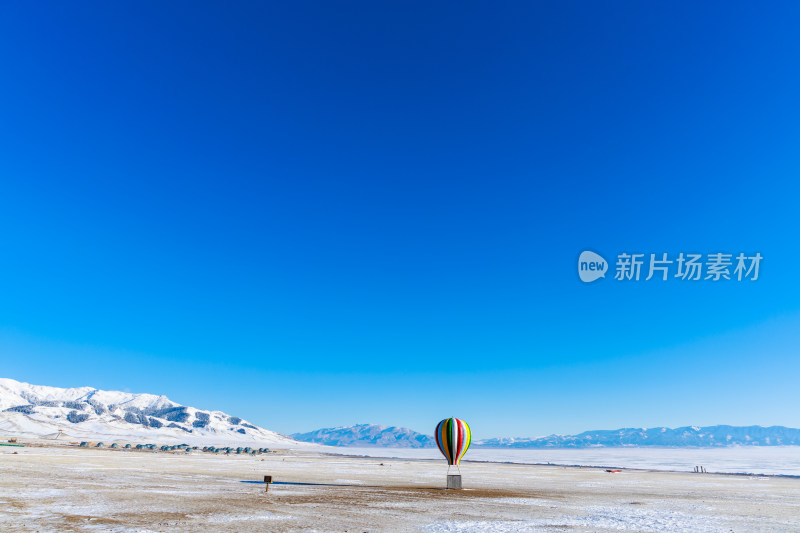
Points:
x=321, y=214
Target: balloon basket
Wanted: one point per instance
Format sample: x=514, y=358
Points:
x=453, y=481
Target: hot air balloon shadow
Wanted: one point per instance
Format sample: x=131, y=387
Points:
x=453, y=438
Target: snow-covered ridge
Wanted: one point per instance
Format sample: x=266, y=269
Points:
x=708, y=436
x=85, y=412
x=364, y=435
x=367, y=435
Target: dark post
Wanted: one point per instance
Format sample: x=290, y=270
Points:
x=267, y=481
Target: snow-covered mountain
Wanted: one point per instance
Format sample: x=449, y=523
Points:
x=87, y=413
x=710, y=436
x=367, y=435
x=91, y=414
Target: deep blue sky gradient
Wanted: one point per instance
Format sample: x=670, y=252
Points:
x=320, y=214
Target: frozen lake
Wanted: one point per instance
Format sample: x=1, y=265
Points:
x=783, y=460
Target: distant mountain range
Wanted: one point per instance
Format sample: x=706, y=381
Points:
x=87, y=413
x=367, y=435
x=689, y=436
x=708, y=436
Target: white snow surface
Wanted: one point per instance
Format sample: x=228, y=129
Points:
x=768, y=460
x=86, y=413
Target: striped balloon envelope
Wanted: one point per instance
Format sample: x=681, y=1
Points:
x=453, y=438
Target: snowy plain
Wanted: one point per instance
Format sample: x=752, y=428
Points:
x=769, y=460
x=69, y=489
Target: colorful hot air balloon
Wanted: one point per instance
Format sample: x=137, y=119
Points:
x=453, y=438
